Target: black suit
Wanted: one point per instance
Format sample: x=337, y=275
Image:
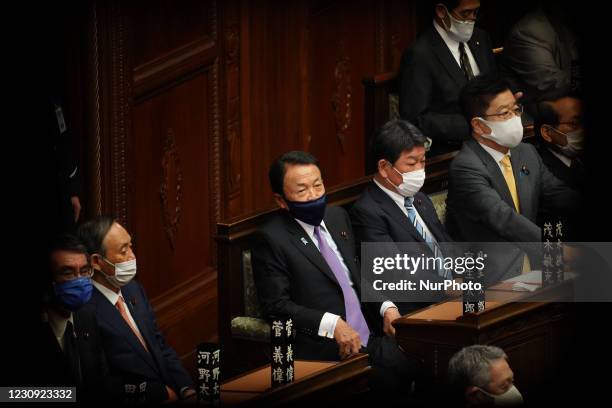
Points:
x=430, y=83
x=127, y=358
x=574, y=177
x=293, y=279
x=377, y=218
x=90, y=375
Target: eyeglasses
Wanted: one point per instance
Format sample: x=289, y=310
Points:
x=69, y=274
x=505, y=115
x=468, y=15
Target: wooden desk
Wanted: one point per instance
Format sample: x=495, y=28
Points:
x=536, y=336
x=314, y=380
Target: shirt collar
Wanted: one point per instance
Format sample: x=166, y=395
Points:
x=497, y=155
x=564, y=159
x=450, y=43
x=108, y=293
x=310, y=228
x=398, y=198
x=58, y=323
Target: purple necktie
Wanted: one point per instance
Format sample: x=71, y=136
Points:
x=354, y=316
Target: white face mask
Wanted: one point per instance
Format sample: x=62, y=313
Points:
x=510, y=398
x=508, y=133
x=459, y=30
x=575, y=143
x=124, y=272
x=411, y=182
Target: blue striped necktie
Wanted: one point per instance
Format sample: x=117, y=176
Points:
x=429, y=239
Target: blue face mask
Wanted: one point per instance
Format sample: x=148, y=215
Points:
x=311, y=212
x=74, y=293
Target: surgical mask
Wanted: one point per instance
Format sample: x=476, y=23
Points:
x=575, y=143
x=459, y=30
x=73, y=293
x=412, y=182
x=508, y=133
x=124, y=272
x=311, y=212
x=510, y=398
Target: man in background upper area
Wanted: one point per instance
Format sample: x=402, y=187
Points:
x=434, y=69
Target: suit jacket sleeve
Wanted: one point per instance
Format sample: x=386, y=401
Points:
x=416, y=93
x=482, y=204
x=174, y=365
x=272, y=279
x=530, y=54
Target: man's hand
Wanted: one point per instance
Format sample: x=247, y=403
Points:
x=390, y=315
x=76, y=207
x=171, y=395
x=348, y=339
x=188, y=394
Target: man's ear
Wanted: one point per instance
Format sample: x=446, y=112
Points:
x=545, y=131
x=96, y=261
x=383, y=165
x=473, y=395
x=280, y=201
x=479, y=127
x=440, y=11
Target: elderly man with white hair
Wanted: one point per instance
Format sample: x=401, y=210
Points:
x=482, y=374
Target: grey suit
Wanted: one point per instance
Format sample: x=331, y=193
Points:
x=480, y=207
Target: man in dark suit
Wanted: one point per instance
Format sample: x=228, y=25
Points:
x=497, y=184
x=70, y=348
x=561, y=146
x=433, y=70
x=561, y=139
x=306, y=268
x=392, y=208
x=135, y=348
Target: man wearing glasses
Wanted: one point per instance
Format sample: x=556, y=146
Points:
x=70, y=352
x=497, y=184
x=433, y=70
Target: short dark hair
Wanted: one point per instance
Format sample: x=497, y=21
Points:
x=393, y=138
x=279, y=168
x=92, y=233
x=450, y=4
x=546, y=115
x=68, y=243
x=477, y=94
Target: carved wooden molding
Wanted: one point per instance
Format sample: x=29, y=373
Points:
x=95, y=132
x=341, y=97
x=215, y=170
x=170, y=189
x=169, y=68
x=120, y=82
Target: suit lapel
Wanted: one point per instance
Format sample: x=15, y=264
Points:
x=477, y=52
x=430, y=218
x=109, y=314
x=522, y=183
x=497, y=178
x=446, y=58
x=301, y=240
x=390, y=207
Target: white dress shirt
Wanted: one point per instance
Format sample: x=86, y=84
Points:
x=58, y=323
x=112, y=297
x=496, y=155
x=453, y=46
x=564, y=159
x=399, y=200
